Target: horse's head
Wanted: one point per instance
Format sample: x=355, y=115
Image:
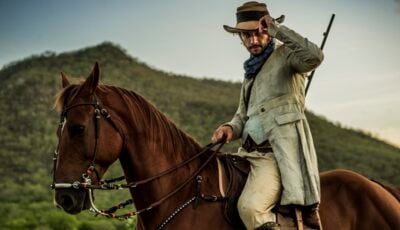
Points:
x=89, y=142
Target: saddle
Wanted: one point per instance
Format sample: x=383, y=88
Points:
x=236, y=172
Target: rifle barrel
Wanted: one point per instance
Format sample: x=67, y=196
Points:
x=326, y=33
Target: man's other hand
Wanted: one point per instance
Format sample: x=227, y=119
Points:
x=264, y=22
x=221, y=132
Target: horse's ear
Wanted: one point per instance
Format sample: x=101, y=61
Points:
x=93, y=80
x=64, y=79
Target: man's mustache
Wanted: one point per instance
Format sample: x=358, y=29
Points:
x=255, y=46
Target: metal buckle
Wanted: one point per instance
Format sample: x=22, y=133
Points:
x=76, y=185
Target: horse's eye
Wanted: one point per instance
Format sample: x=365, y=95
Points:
x=76, y=130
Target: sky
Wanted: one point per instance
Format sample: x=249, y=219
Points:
x=357, y=85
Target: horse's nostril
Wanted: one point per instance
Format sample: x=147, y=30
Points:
x=67, y=202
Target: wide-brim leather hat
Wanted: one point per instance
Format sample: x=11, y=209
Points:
x=248, y=16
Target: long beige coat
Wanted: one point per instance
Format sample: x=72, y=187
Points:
x=275, y=111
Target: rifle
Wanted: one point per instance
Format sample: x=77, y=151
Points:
x=326, y=33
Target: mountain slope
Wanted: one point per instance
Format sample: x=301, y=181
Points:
x=28, y=123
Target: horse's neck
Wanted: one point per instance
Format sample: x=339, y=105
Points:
x=154, y=148
x=153, y=144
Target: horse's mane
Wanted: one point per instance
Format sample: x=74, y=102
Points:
x=62, y=95
x=167, y=134
x=169, y=137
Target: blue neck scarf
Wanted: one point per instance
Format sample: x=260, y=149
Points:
x=253, y=65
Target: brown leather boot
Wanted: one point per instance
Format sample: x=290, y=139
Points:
x=311, y=217
x=269, y=226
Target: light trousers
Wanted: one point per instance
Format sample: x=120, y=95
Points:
x=261, y=191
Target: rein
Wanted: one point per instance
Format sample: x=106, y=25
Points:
x=108, y=184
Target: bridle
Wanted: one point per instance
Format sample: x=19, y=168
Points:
x=100, y=111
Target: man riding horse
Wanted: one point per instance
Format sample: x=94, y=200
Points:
x=271, y=121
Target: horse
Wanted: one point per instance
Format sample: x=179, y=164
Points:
x=148, y=144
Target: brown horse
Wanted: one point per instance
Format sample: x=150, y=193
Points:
x=147, y=144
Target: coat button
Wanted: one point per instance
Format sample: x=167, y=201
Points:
x=262, y=110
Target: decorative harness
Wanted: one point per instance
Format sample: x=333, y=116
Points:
x=109, y=184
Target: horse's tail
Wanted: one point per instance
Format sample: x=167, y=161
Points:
x=395, y=191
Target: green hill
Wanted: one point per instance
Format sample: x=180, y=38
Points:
x=28, y=124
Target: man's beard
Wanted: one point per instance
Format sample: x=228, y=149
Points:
x=256, y=46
